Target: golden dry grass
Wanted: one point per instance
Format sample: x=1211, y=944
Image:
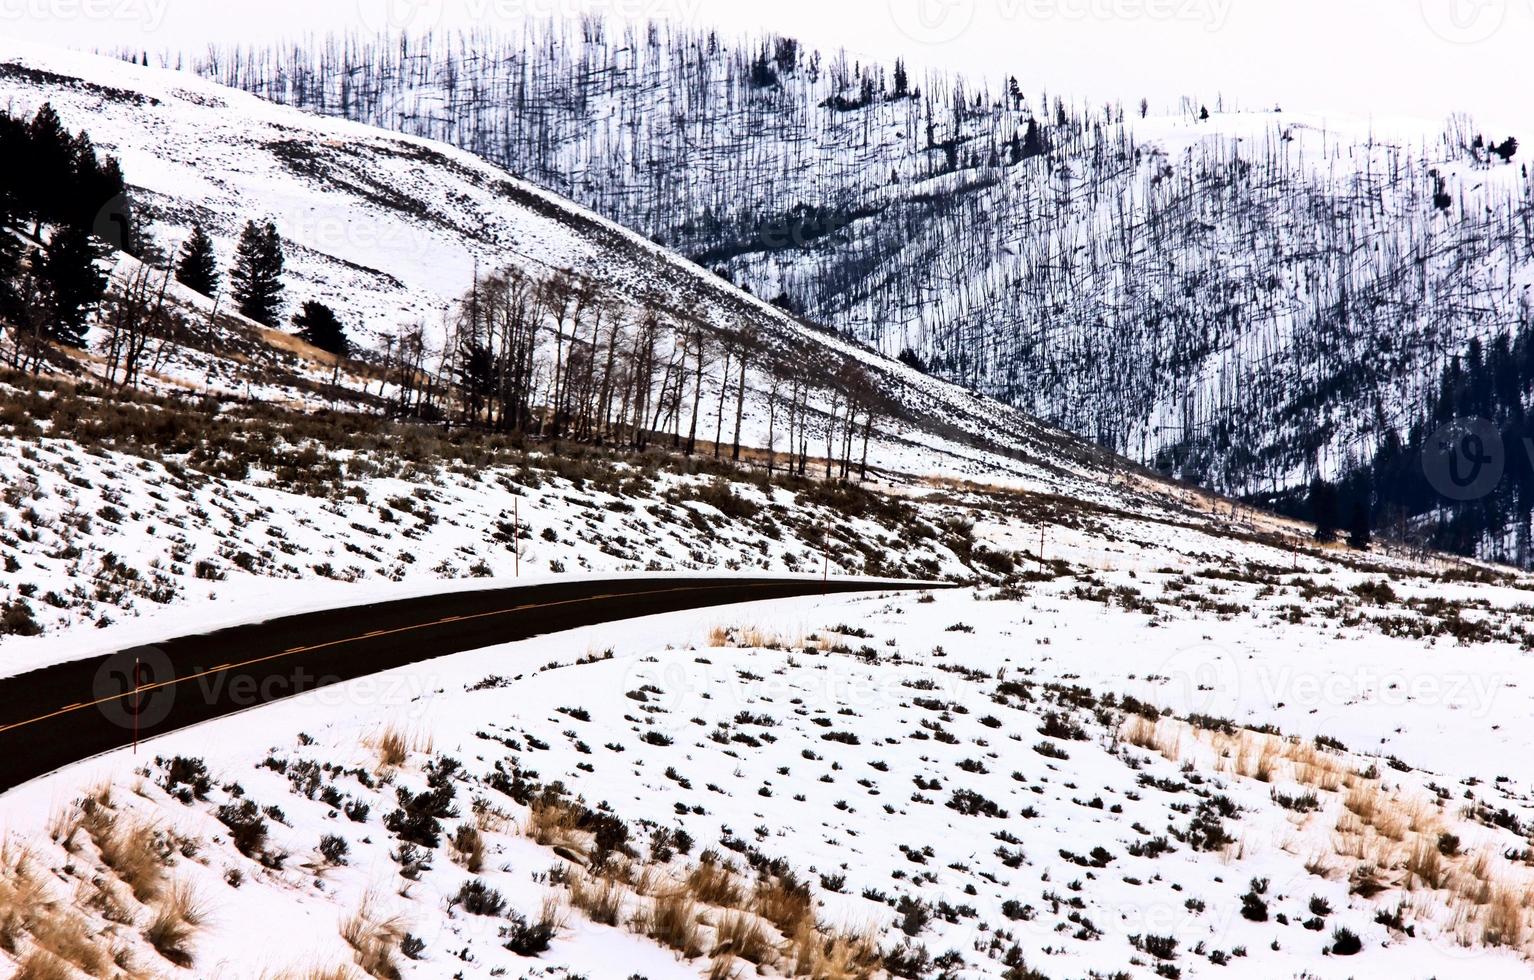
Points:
x=722, y=967
x=1160, y=735
x=468, y=847
x=374, y=935
x=786, y=904
x=129, y=847
x=21, y=896
x=715, y=883
x=1426, y=867
x=1312, y=767
x=1503, y=922
x=59, y=936
x=836, y=956
x=601, y=900
x=393, y=744
x=737, y=934
x=671, y=919
x=175, y=922
x=755, y=638
x=551, y=823
x=331, y=972
x=43, y=965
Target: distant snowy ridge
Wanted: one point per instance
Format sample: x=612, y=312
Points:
x=389, y=231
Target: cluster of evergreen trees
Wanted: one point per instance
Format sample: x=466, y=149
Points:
x=256, y=284
x=63, y=207
x=59, y=200
x=1489, y=387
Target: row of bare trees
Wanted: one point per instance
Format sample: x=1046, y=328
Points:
x=559, y=356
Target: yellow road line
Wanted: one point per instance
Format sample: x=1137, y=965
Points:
x=140, y=691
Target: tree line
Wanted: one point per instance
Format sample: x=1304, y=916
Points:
x=556, y=355
x=1225, y=310
x=1489, y=386
x=58, y=197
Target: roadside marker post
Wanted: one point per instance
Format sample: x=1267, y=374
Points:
x=516, y=533
x=825, y=555
x=138, y=702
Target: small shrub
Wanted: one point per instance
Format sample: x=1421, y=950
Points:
x=1345, y=942
x=478, y=898
x=246, y=827
x=334, y=848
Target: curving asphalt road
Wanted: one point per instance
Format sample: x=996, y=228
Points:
x=69, y=712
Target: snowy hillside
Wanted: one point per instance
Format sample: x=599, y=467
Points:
x=389, y=231
x=1176, y=754
x=1245, y=299
x=1149, y=732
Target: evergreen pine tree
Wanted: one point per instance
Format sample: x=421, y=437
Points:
x=902, y=80
x=198, y=267
x=72, y=283
x=317, y=324
x=10, y=276
x=1323, y=509
x=50, y=169
x=257, y=275
x=1358, y=530
x=16, y=200
x=1033, y=140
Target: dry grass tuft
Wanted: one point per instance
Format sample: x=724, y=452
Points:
x=551, y=823
x=374, y=936
x=468, y=848
x=1315, y=768
x=601, y=900
x=43, y=965
x=393, y=745
x=174, y=924
x=21, y=896
x=1426, y=867
x=722, y=968
x=715, y=883
x=838, y=956
x=61, y=937
x=340, y=972
x=130, y=847
x=1160, y=735
x=1504, y=924
x=740, y=935
x=783, y=901
x=671, y=919
x=755, y=638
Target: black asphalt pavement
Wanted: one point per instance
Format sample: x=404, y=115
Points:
x=69, y=712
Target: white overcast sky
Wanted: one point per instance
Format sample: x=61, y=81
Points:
x=1380, y=58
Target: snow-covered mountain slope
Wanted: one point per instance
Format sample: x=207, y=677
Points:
x=1154, y=735
x=390, y=230
x=1244, y=299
